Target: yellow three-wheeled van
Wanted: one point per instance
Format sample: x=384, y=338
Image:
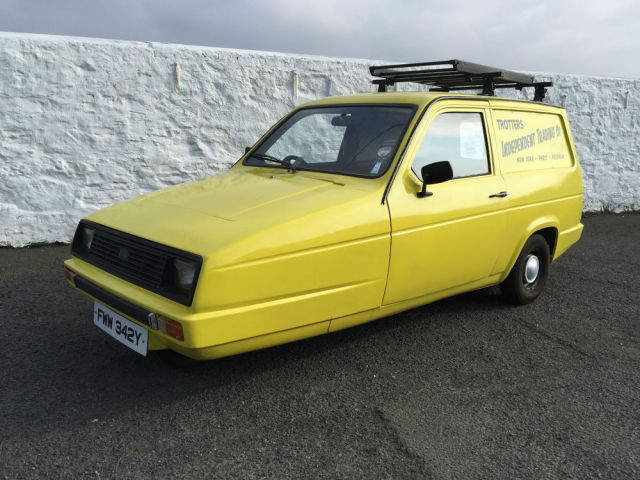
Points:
x=349, y=209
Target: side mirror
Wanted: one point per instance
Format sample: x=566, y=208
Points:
x=436, y=172
x=246, y=150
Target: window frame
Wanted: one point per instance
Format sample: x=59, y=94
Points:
x=398, y=150
x=487, y=140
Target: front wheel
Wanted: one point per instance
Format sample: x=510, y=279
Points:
x=529, y=274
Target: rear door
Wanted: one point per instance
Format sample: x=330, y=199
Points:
x=453, y=237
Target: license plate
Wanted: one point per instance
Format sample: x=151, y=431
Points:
x=122, y=329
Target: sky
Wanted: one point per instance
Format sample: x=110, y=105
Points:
x=599, y=38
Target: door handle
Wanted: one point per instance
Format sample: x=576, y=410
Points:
x=500, y=195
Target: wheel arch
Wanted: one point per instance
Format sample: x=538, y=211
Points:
x=547, y=227
x=550, y=234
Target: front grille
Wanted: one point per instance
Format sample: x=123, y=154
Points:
x=142, y=265
x=134, y=259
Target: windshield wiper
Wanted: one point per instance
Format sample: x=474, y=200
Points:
x=269, y=158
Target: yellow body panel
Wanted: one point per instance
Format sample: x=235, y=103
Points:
x=292, y=255
x=544, y=180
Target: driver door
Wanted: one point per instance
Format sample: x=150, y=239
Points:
x=451, y=238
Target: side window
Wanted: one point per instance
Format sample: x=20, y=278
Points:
x=458, y=138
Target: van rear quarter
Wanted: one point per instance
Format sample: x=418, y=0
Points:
x=537, y=159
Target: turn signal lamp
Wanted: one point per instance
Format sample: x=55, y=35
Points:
x=171, y=328
x=69, y=275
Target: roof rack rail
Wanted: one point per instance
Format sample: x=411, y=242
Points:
x=452, y=75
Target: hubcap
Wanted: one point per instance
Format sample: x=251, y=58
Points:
x=531, y=269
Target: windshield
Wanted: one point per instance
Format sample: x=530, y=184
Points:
x=351, y=140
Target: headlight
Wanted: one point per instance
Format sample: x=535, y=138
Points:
x=87, y=237
x=179, y=278
x=183, y=273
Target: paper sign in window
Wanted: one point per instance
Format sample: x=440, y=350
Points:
x=472, y=140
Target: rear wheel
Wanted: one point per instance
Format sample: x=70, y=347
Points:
x=529, y=274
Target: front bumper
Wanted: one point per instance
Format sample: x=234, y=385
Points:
x=138, y=305
x=207, y=334
x=130, y=310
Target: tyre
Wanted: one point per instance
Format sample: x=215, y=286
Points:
x=529, y=274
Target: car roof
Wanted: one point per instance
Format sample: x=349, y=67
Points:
x=416, y=98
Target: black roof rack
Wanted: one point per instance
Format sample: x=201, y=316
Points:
x=452, y=75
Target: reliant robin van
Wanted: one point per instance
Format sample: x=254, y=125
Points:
x=349, y=209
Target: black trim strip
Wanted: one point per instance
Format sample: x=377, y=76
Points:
x=401, y=156
x=113, y=301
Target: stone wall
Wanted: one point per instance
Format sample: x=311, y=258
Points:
x=85, y=123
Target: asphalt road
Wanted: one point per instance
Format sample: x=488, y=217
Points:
x=468, y=387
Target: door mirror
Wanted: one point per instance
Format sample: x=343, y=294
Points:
x=436, y=172
x=246, y=150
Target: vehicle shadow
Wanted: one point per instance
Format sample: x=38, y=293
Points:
x=70, y=373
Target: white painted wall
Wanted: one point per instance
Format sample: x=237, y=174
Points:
x=85, y=123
